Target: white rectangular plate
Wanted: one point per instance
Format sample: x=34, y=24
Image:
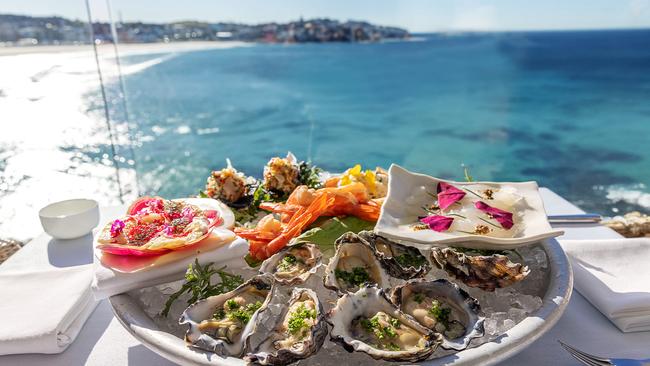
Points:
x=401, y=210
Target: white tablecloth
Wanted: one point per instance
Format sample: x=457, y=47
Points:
x=103, y=341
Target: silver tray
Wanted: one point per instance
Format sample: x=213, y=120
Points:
x=129, y=312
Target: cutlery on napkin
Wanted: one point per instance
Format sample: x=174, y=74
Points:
x=614, y=276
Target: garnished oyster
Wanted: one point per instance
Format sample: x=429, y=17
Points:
x=294, y=264
x=282, y=174
x=399, y=260
x=366, y=321
x=353, y=265
x=486, y=272
x=442, y=307
x=223, y=323
x=299, y=332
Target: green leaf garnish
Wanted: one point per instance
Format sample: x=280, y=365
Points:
x=197, y=283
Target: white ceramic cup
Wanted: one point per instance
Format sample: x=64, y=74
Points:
x=70, y=219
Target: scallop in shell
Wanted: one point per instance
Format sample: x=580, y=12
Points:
x=366, y=321
x=294, y=264
x=442, y=307
x=353, y=265
x=486, y=272
x=299, y=331
x=399, y=260
x=223, y=323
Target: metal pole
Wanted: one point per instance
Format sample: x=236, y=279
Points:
x=106, y=112
x=123, y=92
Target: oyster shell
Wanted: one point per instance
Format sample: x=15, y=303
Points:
x=366, y=321
x=299, y=331
x=442, y=307
x=486, y=272
x=399, y=260
x=353, y=265
x=294, y=264
x=211, y=326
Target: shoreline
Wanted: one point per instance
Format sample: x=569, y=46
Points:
x=125, y=48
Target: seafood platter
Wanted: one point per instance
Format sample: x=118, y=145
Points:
x=359, y=267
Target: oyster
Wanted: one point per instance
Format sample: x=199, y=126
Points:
x=299, y=332
x=367, y=321
x=223, y=323
x=442, y=307
x=353, y=265
x=294, y=264
x=399, y=260
x=486, y=272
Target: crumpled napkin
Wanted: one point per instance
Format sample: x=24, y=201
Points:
x=614, y=275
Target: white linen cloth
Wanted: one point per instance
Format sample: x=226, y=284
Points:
x=45, y=295
x=614, y=275
x=108, y=282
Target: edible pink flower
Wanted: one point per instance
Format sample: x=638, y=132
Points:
x=448, y=195
x=437, y=223
x=502, y=217
x=116, y=228
x=188, y=214
x=168, y=230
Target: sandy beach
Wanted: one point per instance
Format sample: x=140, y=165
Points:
x=126, y=48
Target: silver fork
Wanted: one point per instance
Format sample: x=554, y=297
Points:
x=592, y=360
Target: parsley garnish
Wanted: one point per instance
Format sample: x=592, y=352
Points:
x=410, y=260
x=309, y=175
x=441, y=314
x=357, y=277
x=297, y=319
x=287, y=262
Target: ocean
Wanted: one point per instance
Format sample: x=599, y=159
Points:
x=570, y=110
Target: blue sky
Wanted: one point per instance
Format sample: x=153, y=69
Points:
x=416, y=15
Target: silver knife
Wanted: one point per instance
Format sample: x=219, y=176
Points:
x=586, y=218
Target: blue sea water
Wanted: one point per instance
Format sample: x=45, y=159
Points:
x=570, y=110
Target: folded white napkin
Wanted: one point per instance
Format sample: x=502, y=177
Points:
x=45, y=295
x=614, y=275
x=108, y=282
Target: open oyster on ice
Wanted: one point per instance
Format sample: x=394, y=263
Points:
x=486, y=272
x=366, y=321
x=293, y=264
x=299, y=331
x=442, y=307
x=353, y=265
x=223, y=323
x=399, y=260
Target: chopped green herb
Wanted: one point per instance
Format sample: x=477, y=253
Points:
x=297, y=318
x=441, y=314
x=197, y=283
x=244, y=314
x=418, y=298
x=287, y=262
x=380, y=331
x=232, y=304
x=358, y=276
x=410, y=260
x=219, y=314
x=392, y=347
x=485, y=252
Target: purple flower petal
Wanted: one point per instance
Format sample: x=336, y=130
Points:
x=116, y=228
x=502, y=217
x=437, y=223
x=448, y=195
